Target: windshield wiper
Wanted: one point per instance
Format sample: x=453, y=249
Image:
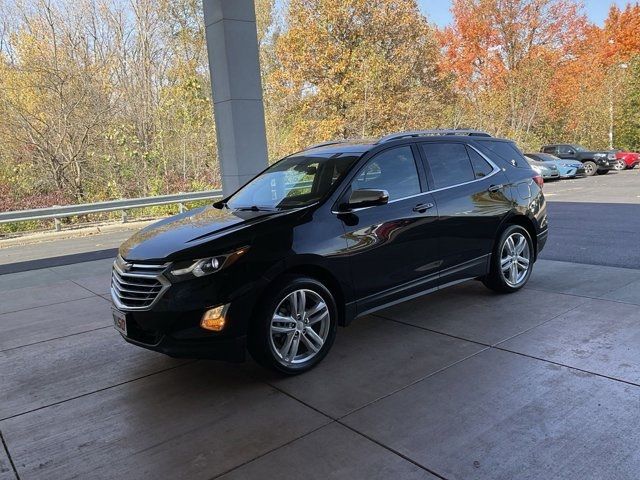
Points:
x=254, y=208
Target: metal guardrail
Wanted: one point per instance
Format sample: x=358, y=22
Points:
x=58, y=213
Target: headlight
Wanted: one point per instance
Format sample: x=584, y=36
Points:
x=568, y=165
x=611, y=156
x=206, y=266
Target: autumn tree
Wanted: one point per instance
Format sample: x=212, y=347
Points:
x=504, y=54
x=354, y=68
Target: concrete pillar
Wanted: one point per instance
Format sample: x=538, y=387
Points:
x=232, y=45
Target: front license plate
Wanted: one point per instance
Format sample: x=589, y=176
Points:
x=120, y=321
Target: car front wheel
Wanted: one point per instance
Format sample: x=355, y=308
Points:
x=511, y=262
x=295, y=325
x=590, y=168
x=620, y=165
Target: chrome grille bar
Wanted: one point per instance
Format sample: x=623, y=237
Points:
x=136, y=286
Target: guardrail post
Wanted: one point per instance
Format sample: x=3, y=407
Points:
x=181, y=207
x=58, y=225
x=125, y=216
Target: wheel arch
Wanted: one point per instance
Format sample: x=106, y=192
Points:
x=524, y=222
x=312, y=267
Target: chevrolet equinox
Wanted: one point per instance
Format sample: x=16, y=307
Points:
x=324, y=236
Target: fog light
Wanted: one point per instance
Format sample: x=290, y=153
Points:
x=213, y=319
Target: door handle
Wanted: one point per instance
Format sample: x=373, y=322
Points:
x=423, y=207
x=495, y=188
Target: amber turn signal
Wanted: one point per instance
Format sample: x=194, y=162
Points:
x=213, y=319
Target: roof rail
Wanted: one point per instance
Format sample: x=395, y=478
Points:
x=325, y=144
x=429, y=133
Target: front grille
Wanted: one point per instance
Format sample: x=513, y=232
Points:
x=136, y=286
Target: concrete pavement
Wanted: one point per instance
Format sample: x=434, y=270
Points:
x=461, y=384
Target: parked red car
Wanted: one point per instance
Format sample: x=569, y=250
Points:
x=626, y=160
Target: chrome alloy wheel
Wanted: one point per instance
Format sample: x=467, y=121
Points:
x=515, y=259
x=619, y=165
x=299, y=327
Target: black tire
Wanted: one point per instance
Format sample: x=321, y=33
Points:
x=590, y=168
x=603, y=172
x=496, y=280
x=260, y=343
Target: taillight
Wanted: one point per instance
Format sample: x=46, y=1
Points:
x=539, y=180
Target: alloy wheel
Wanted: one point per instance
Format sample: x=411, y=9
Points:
x=299, y=327
x=619, y=165
x=589, y=168
x=515, y=259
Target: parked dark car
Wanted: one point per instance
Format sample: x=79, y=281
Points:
x=594, y=162
x=326, y=235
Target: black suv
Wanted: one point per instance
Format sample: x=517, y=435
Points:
x=593, y=162
x=326, y=235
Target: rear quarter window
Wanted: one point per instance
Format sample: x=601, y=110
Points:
x=507, y=151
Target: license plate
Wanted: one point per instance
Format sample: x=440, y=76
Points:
x=120, y=321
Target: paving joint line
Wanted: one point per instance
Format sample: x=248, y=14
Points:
x=87, y=289
x=97, y=391
x=622, y=302
x=595, y=374
x=497, y=346
x=50, y=304
x=394, y=451
x=411, y=384
x=55, y=338
x=6, y=449
x=240, y=465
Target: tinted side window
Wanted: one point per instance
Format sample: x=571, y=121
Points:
x=393, y=170
x=507, y=151
x=565, y=150
x=449, y=163
x=551, y=150
x=481, y=167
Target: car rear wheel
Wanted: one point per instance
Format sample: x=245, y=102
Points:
x=295, y=325
x=511, y=262
x=620, y=165
x=590, y=168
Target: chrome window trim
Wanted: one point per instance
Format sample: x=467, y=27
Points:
x=495, y=170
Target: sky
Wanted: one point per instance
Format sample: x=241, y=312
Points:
x=438, y=10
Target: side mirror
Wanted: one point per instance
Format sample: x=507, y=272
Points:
x=368, y=198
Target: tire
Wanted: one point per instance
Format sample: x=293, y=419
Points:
x=590, y=168
x=503, y=280
x=620, y=165
x=277, y=329
x=603, y=172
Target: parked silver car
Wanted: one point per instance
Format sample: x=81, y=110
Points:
x=548, y=170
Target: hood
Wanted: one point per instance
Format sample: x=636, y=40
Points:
x=167, y=238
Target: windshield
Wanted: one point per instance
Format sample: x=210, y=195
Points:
x=293, y=182
x=580, y=148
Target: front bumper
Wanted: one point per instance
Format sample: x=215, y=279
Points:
x=605, y=164
x=570, y=172
x=172, y=325
x=228, y=349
